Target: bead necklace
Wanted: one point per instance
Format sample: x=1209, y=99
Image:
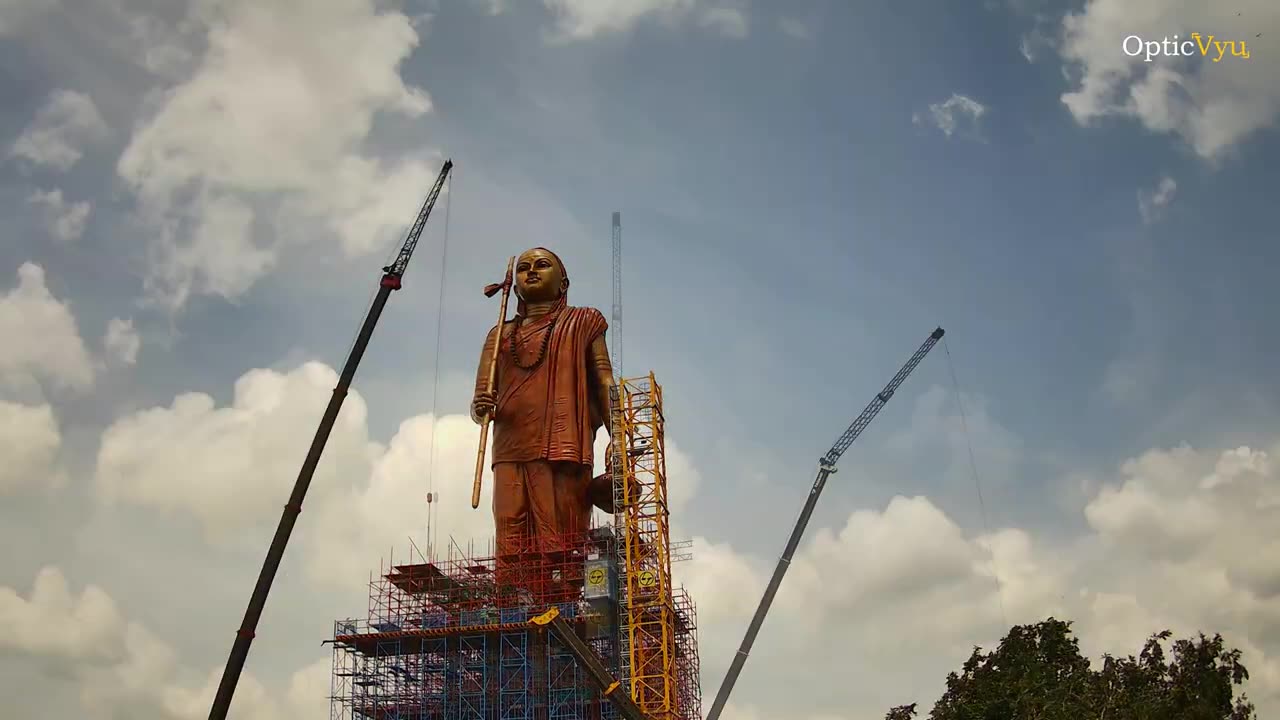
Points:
x=542, y=353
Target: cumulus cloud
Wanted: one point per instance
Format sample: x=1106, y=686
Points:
x=955, y=114
x=1151, y=203
x=44, y=341
x=1210, y=105
x=272, y=83
x=382, y=509
x=907, y=586
x=66, y=220
x=581, y=19
x=122, y=668
x=29, y=443
x=903, y=583
x=55, y=139
x=121, y=341
x=231, y=467
x=52, y=621
x=437, y=456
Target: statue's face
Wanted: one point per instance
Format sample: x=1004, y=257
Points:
x=538, y=276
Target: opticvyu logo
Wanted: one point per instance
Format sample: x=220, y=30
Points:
x=1200, y=45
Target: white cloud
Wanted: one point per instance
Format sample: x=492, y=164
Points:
x=581, y=19
x=121, y=668
x=232, y=467
x=29, y=443
x=43, y=341
x=956, y=113
x=1184, y=540
x=381, y=509
x=53, y=622
x=66, y=220
x=164, y=49
x=1210, y=105
x=121, y=341
x=273, y=83
x=1151, y=203
x=68, y=120
x=903, y=583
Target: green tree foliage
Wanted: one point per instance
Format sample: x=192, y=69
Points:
x=1038, y=673
x=902, y=712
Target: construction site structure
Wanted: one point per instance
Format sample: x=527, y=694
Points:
x=651, y=639
x=452, y=638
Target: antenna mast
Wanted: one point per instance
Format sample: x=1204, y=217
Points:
x=616, y=342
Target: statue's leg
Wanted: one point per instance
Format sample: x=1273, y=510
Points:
x=510, y=523
x=559, y=505
x=573, y=496
x=561, y=513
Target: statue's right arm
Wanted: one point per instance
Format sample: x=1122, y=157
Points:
x=482, y=378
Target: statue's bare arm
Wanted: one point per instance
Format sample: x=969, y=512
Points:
x=603, y=369
x=482, y=401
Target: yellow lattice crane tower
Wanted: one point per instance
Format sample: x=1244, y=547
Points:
x=650, y=621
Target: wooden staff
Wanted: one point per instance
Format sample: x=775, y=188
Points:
x=490, y=291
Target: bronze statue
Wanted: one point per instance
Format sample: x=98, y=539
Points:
x=551, y=395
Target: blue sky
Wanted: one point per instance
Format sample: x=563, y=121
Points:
x=806, y=191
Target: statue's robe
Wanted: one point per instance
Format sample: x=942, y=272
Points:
x=544, y=427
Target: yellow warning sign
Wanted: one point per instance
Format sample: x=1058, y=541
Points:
x=595, y=577
x=648, y=578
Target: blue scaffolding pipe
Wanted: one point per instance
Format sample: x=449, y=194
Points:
x=514, y=681
x=473, y=678
x=491, y=673
x=565, y=698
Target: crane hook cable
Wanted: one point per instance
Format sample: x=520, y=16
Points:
x=977, y=482
x=435, y=379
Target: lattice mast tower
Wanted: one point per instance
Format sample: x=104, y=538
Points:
x=649, y=613
x=616, y=339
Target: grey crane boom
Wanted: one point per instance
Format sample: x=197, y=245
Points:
x=391, y=281
x=826, y=466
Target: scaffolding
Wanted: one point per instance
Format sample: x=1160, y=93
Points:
x=448, y=638
x=444, y=639
x=656, y=638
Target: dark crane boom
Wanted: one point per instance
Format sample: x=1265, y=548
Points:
x=826, y=467
x=391, y=280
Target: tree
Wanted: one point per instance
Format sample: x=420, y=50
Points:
x=902, y=712
x=1038, y=673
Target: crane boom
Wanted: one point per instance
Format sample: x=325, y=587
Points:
x=826, y=467
x=391, y=279
x=610, y=688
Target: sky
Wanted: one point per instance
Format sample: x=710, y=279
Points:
x=200, y=196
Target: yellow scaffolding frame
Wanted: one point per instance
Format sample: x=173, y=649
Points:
x=649, y=638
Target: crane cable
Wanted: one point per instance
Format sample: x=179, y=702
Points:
x=977, y=482
x=435, y=379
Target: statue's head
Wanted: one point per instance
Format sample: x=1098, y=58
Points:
x=540, y=276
